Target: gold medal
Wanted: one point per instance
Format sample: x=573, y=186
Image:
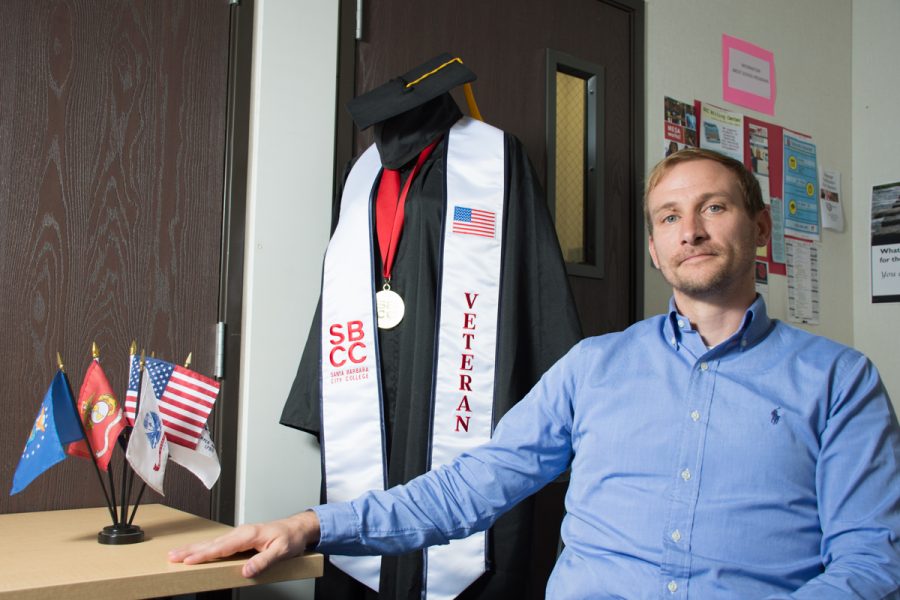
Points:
x=389, y=307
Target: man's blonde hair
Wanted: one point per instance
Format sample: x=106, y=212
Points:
x=747, y=182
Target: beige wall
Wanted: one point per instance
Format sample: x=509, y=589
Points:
x=875, y=127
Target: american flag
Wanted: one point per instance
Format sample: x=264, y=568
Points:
x=471, y=221
x=185, y=400
x=131, y=394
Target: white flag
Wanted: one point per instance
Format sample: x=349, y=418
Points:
x=201, y=461
x=148, y=449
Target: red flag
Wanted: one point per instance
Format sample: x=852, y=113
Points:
x=101, y=414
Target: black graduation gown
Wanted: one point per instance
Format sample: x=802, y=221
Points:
x=538, y=324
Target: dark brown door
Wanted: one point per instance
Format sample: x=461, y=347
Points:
x=112, y=153
x=507, y=44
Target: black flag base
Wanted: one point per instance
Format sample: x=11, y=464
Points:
x=120, y=533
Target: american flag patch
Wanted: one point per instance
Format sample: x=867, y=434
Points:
x=471, y=221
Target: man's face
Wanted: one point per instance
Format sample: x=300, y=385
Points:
x=703, y=240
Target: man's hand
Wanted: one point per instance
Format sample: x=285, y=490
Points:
x=275, y=540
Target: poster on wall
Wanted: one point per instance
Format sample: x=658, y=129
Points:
x=722, y=131
x=680, y=128
x=886, y=242
x=803, y=280
x=776, y=244
x=762, y=155
x=830, y=199
x=758, y=145
x=801, y=179
x=758, y=140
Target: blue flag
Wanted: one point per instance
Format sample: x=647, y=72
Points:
x=55, y=426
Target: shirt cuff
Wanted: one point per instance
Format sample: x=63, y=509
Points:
x=338, y=525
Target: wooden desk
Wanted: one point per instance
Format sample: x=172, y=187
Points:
x=56, y=554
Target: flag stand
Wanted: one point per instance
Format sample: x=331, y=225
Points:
x=62, y=424
x=120, y=533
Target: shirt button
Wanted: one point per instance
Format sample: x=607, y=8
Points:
x=672, y=587
x=695, y=415
x=686, y=474
x=704, y=366
x=743, y=343
x=676, y=536
x=680, y=324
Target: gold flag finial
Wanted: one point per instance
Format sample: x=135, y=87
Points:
x=187, y=361
x=133, y=349
x=59, y=362
x=95, y=350
x=143, y=359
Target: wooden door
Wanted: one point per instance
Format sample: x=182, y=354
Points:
x=508, y=44
x=112, y=154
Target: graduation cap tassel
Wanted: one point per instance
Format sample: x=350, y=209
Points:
x=467, y=87
x=413, y=90
x=470, y=100
x=424, y=76
x=109, y=504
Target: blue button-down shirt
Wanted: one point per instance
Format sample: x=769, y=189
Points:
x=767, y=466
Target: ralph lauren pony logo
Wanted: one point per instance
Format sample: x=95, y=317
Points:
x=776, y=416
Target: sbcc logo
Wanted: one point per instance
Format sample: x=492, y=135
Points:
x=346, y=343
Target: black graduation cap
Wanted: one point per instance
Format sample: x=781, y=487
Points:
x=401, y=94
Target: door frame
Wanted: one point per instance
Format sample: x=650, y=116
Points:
x=231, y=265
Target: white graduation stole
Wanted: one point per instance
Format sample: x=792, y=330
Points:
x=352, y=434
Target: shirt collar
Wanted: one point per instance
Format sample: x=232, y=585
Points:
x=754, y=327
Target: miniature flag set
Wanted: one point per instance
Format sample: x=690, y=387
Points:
x=164, y=417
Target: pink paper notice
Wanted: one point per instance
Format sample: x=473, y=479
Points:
x=748, y=75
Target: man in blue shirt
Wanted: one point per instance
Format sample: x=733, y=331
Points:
x=714, y=452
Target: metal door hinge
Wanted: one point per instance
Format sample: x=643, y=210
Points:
x=220, y=350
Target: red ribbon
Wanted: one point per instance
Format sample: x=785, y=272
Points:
x=389, y=209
